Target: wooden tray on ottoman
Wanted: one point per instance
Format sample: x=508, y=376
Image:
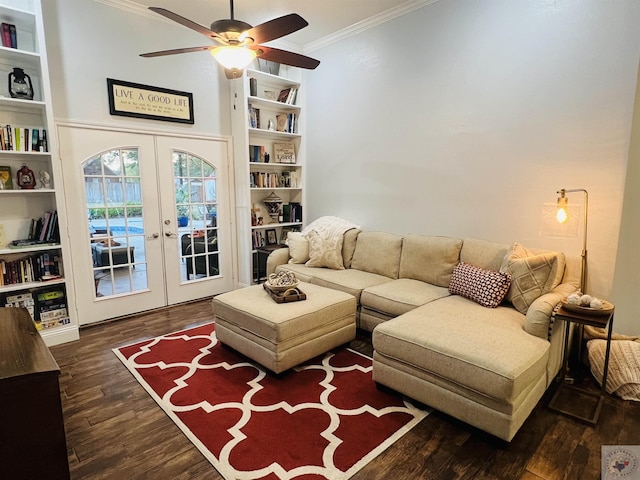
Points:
x=291, y=295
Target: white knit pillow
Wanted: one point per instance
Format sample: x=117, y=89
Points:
x=298, y=247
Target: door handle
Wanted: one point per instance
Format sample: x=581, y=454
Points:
x=153, y=236
x=170, y=235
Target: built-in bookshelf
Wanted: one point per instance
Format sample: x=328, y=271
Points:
x=32, y=249
x=267, y=131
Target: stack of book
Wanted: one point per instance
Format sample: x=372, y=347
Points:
x=52, y=308
x=24, y=299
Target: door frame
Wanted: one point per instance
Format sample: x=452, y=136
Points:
x=76, y=280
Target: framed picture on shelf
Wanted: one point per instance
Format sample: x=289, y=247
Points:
x=283, y=234
x=6, y=180
x=272, y=236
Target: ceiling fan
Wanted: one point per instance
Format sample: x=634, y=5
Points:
x=238, y=43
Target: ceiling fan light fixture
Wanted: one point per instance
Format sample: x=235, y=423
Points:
x=233, y=57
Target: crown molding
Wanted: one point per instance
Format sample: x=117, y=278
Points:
x=359, y=27
x=133, y=7
x=370, y=22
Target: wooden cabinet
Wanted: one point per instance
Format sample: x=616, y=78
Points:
x=27, y=140
x=32, y=428
x=269, y=158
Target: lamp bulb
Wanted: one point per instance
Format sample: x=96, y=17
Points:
x=561, y=215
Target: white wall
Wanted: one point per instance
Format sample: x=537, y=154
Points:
x=465, y=116
x=88, y=42
x=626, y=285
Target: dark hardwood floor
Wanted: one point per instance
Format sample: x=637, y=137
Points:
x=116, y=431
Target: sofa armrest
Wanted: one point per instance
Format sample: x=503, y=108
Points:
x=277, y=257
x=539, y=314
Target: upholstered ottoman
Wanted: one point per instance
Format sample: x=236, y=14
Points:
x=280, y=336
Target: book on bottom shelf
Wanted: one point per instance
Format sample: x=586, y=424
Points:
x=52, y=308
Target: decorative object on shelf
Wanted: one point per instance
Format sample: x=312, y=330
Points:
x=591, y=306
x=45, y=179
x=273, y=203
x=269, y=94
x=284, y=152
x=272, y=236
x=26, y=178
x=6, y=180
x=20, y=85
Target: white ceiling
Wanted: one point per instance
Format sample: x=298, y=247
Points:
x=326, y=17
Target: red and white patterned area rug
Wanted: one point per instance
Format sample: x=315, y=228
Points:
x=324, y=419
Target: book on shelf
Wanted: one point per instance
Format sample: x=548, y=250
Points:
x=258, y=239
x=257, y=154
x=284, y=152
x=253, y=87
x=9, y=35
x=265, y=180
x=39, y=267
x=296, y=212
x=23, y=139
x=254, y=117
x=288, y=95
x=6, y=178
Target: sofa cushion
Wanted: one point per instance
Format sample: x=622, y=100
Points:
x=400, y=296
x=349, y=246
x=486, y=287
x=378, y=252
x=325, y=251
x=486, y=350
x=429, y=259
x=483, y=254
x=349, y=280
x=531, y=275
x=298, y=247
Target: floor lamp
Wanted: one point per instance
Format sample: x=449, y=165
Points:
x=562, y=216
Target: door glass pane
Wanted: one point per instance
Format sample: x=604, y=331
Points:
x=196, y=208
x=115, y=221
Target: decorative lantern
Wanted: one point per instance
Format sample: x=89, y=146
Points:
x=20, y=85
x=26, y=178
x=273, y=203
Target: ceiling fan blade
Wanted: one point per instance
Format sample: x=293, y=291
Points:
x=286, y=57
x=176, y=51
x=188, y=23
x=276, y=28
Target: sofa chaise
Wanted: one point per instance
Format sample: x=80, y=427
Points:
x=438, y=344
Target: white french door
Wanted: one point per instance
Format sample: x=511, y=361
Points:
x=150, y=219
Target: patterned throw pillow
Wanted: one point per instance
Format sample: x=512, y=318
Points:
x=532, y=275
x=486, y=287
x=325, y=252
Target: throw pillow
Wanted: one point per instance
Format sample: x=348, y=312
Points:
x=298, y=247
x=325, y=252
x=486, y=287
x=531, y=275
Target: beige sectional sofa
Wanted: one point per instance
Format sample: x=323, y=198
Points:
x=488, y=367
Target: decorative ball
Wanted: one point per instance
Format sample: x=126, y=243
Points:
x=596, y=304
x=585, y=300
x=573, y=299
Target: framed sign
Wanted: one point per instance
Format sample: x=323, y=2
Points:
x=142, y=101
